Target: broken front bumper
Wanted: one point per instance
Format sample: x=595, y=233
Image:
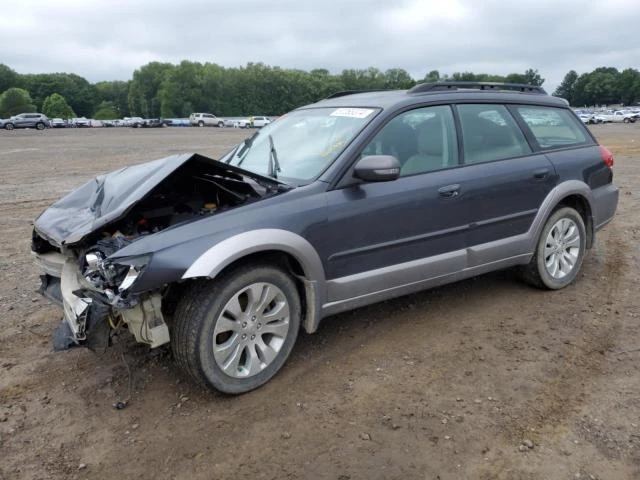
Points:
x=91, y=315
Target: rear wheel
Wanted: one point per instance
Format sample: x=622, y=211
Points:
x=626, y=120
x=559, y=252
x=220, y=124
x=235, y=333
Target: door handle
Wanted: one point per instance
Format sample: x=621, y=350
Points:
x=541, y=173
x=449, y=191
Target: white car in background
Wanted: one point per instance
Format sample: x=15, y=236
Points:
x=205, y=120
x=242, y=123
x=259, y=122
x=618, y=116
x=80, y=122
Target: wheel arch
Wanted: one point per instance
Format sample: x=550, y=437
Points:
x=571, y=193
x=281, y=247
x=580, y=204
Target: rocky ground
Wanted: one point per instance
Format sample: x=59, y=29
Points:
x=484, y=379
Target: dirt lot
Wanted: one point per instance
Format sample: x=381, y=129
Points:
x=445, y=384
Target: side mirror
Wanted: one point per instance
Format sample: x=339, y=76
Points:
x=377, y=168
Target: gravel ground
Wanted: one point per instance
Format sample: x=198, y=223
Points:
x=483, y=379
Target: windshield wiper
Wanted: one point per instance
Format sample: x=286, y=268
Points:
x=246, y=145
x=274, y=165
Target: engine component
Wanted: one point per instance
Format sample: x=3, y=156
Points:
x=146, y=322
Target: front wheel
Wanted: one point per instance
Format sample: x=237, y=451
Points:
x=201, y=123
x=220, y=124
x=235, y=333
x=8, y=126
x=40, y=126
x=626, y=120
x=559, y=252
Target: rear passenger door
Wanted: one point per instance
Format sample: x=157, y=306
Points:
x=505, y=180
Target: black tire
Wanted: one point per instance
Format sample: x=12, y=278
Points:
x=40, y=126
x=536, y=273
x=201, y=123
x=626, y=120
x=196, y=315
x=8, y=126
x=220, y=124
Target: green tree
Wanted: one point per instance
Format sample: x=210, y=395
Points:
x=628, y=86
x=532, y=77
x=106, y=111
x=55, y=106
x=8, y=78
x=398, y=78
x=14, y=101
x=143, y=96
x=116, y=92
x=432, y=77
x=566, y=88
x=78, y=92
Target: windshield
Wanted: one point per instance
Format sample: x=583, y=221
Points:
x=300, y=145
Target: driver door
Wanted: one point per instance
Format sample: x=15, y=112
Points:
x=387, y=235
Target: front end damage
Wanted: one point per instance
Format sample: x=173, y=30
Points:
x=95, y=298
x=77, y=243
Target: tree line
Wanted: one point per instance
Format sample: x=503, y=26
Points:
x=167, y=90
x=602, y=86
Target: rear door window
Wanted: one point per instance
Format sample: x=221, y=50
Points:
x=489, y=132
x=553, y=127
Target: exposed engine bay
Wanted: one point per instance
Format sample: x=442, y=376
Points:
x=79, y=273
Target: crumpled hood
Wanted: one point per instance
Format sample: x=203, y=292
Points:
x=102, y=200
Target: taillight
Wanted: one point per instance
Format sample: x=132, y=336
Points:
x=607, y=156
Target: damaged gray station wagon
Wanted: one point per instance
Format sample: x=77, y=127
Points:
x=358, y=198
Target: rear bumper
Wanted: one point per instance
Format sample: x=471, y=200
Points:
x=605, y=203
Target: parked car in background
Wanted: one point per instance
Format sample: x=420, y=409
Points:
x=205, y=120
x=258, y=122
x=177, y=122
x=599, y=118
x=153, y=123
x=80, y=122
x=27, y=120
x=133, y=121
x=58, y=123
x=590, y=119
x=618, y=116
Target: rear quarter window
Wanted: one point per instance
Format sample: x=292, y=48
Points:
x=554, y=127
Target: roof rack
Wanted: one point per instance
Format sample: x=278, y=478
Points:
x=494, y=86
x=351, y=92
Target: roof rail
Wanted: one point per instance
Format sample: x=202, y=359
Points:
x=495, y=86
x=351, y=92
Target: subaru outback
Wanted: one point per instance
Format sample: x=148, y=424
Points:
x=358, y=198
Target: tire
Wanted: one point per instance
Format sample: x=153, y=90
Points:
x=626, y=120
x=214, y=348
x=40, y=126
x=8, y=126
x=563, y=237
x=201, y=123
x=220, y=124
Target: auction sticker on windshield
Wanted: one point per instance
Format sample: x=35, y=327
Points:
x=352, y=112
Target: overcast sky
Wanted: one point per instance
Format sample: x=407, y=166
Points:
x=108, y=40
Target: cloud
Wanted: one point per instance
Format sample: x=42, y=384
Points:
x=108, y=39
